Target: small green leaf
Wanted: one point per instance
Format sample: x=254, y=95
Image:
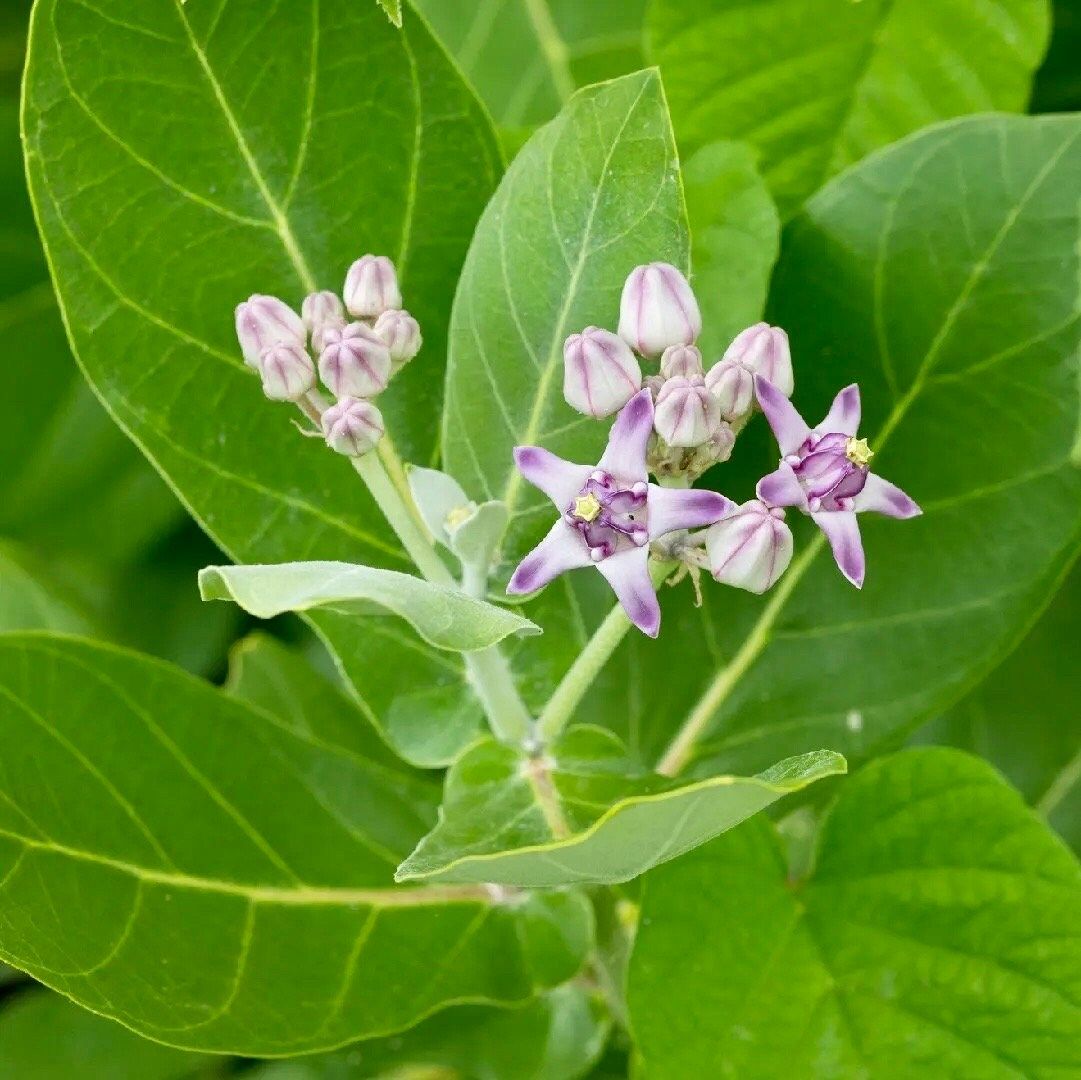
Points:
x=579, y=818
x=393, y=8
x=443, y=617
x=938, y=935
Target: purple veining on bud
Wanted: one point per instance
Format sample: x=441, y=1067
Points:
x=352, y=427
x=354, y=362
x=732, y=386
x=658, y=309
x=262, y=321
x=600, y=373
x=764, y=350
x=371, y=287
x=681, y=362
x=750, y=547
x=609, y=513
x=824, y=471
x=322, y=311
x=687, y=414
x=400, y=332
x=287, y=370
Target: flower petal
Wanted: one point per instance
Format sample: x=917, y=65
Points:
x=628, y=574
x=881, y=497
x=789, y=428
x=844, y=414
x=675, y=508
x=843, y=532
x=625, y=456
x=560, y=480
x=561, y=550
x=782, y=488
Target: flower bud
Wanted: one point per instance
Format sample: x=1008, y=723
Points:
x=354, y=361
x=658, y=309
x=686, y=413
x=287, y=370
x=600, y=373
x=352, y=427
x=262, y=321
x=732, y=385
x=400, y=332
x=371, y=287
x=681, y=361
x=750, y=547
x=763, y=350
x=321, y=312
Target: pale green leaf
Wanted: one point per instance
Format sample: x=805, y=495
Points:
x=232, y=877
x=393, y=8
x=581, y=815
x=938, y=935
x=817, y=84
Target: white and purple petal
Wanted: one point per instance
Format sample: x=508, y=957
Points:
x=675, y=508
x=782, y=488
x=881, y=497
x=843, y=532
x=561, y=550
x=560, y=480
x=750, y=548
x=844, y=414
x=625, y=455
x=789, y=428
x=628, y=574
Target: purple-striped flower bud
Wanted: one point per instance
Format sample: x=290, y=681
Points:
x=763, y=350
x=262, y=321
x=352, y=427
x=750, y=547
x=322, y=311
x=400, y=332
x=354, y=362
x=287, y=370
x=600, y=373
x=686, y=413
x=681, y=362
x=371, y=287
x=733, y=387
x=658, y=309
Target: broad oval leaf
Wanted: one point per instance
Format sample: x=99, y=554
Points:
x=578, y=817
x=939, y=934
x=444, y=617
x=232, y=877
x=817, y=84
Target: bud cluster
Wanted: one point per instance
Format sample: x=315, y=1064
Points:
x=355, y=343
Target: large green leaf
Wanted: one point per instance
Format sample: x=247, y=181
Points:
x=30, y=599
x=817, y=84
x=938, y=935
x=189, y=865
x=582, y=815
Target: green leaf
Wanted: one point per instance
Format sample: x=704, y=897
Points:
x=443, y=617
x=939, y=934
x=233, y=876
x=816, y=84
x=1058, y=82
x=44, y=1037
x=32, y=599
x=393, y=8
x=580, y=818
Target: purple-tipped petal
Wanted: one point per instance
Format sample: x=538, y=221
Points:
x=560, y=480
x=881, y=497
x=673, y=508
x=789, y=428
x=561, y=550
x=844, y=414
x=843, y=532
x=625, y=456
x=782, y=488
x=628, y=574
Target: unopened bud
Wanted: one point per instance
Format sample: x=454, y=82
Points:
x=322, y=311
x=371, y=287
x=287, y=370
x=686, y=413
x=732, y=385
x=352, y=427
x=400, y=332
x=681, y=362
x=600, y=373
x=658, y=309
x=750, y=548
x=262, y=321
x=354, y=362
x=763, y=350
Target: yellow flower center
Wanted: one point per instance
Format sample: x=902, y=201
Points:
x=858, y=452
x=586, y=507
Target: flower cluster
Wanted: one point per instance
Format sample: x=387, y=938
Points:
x=360, y=341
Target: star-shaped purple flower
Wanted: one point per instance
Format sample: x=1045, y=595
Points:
x=609, y=513
x=824, y=472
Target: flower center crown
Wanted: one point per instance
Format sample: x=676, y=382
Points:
x=609, y=516
x=858, y=452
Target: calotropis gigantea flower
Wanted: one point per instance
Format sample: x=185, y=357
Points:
x=322, y=311
x=400, y=332
x=759, y=350
x=263, y=321
x=287, y=370
x=658, y=309
x=750, y=547
x=352, y=427
x=371, y=287
x=824, y=472
x=681, y=362
x=609, y=513
x=686, y=413
x=600, y=373
x=354, y=362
